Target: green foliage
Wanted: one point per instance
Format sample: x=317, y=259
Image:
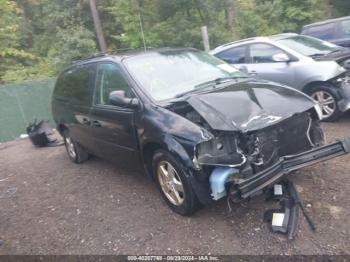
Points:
x=73, y=42
x=11, y=54
x=275, y=16
x=39, y=37
x=342, y=7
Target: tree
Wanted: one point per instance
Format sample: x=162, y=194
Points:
x=342, y=7
x=97, y=24
x=11, y=53
x=69, y=29
x=229, y=14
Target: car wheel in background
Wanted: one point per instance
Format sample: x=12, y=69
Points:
x=327, y=98
x=173, y=184
x=75, y=152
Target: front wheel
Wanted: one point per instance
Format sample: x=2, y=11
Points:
x=173, y=184
x=327, y=98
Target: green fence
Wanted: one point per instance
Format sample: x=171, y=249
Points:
x=21, y=103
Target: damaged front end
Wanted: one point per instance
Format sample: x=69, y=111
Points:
x=246, y=163
x=269, y=154
x=259, y=133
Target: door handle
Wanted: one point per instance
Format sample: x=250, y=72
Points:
x=96, y=123
x=253, y=73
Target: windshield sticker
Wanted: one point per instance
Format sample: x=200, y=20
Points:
x=227, y=68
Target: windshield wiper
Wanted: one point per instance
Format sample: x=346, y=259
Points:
x=219, y=80
x=324, y=54
x=188, y=92
x=317, y=54
x=336, y=51
x=211, y=83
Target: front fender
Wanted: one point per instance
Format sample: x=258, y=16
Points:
x=198, y=179
x=321, y=71
x=178, y=151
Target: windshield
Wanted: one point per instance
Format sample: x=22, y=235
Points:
x=309, y=46
x=167, y=74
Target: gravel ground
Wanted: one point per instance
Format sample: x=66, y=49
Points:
x=52, y=206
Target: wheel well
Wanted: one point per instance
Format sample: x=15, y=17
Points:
x=310, y=86
x=61, y=128
x=147, y=155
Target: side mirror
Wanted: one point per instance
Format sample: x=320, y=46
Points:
x=243, y=69
x=281, y=57
x=118, y=98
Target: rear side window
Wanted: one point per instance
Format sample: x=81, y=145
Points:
x=75, y=84
x=109, y=79
x=263, y=53
x=235, y=55
x=345, y=28
x=324, y=32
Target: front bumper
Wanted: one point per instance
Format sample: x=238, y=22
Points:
x=255, y=184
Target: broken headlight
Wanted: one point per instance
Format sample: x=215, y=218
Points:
x=221, y=150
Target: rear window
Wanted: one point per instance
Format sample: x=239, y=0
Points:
x=324, y=32
x=345, y=28
x=74, y=84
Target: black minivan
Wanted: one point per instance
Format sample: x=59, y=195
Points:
x=199, y=127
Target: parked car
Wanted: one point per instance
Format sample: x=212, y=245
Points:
x=336, y=30
x=316, y=67
x=197, y=126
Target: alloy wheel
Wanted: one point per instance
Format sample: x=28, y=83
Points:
x=326, y=102
x=170, y=183
x=70, y=147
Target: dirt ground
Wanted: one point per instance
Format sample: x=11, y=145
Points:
x=52, y=206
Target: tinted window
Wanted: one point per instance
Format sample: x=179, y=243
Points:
x=263, y=53
x=345, y=28
x=233, y=55
x=109, y=79
x=74, y=84
x=324, y=32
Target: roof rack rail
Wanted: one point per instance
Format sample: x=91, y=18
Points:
x=113, y=52
x=101, y=54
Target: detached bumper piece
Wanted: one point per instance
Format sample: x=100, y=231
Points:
x=39, y=134
x=255, y=184
x=286, y=219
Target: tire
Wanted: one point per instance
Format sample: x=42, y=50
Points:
x=324, y=94
x=75, y=152
x=187, y=202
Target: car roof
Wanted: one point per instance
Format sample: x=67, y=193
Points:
x=327, y=21
x=122, y=55
x=252, y=40
x=230, y=44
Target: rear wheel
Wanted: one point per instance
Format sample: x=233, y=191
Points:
x=327, y=98
x=173, y=184
x=75, y=152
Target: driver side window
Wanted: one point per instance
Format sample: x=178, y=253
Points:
x=263, y=53
x=109, y=78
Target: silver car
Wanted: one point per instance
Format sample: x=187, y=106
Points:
x=313, y=66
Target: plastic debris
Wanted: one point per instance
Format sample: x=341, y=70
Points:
x=39, y=134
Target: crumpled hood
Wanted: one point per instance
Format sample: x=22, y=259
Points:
x=249, y=105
